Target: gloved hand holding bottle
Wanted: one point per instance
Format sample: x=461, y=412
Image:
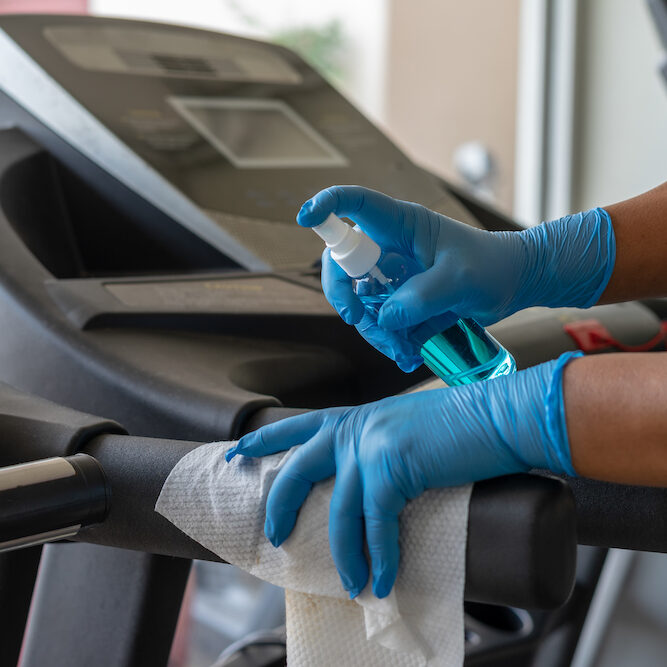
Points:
x=458, y=350
x=388, y=452
x=466, y=272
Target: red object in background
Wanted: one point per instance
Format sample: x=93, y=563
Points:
x=43, y=6
x=593, y=336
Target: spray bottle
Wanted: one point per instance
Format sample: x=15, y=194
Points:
x=463, y=353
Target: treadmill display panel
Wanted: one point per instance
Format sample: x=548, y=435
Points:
x=258, y=134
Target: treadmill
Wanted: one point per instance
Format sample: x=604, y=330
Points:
x=156, y=294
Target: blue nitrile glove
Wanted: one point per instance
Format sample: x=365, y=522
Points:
x=390, y=451
x=473, y=273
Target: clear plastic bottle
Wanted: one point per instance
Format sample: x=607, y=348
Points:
x=461, y=354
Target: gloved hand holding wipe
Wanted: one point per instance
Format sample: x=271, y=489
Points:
x=388, y=452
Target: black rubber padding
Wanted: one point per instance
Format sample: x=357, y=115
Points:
x=620, y=516
x=521, y=542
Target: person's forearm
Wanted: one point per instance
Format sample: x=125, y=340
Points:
x=616, y=413
x=640, y=227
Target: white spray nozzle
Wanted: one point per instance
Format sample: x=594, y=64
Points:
x=351, y=249
x=332, y=230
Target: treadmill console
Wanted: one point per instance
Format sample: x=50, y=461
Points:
x=228, y=136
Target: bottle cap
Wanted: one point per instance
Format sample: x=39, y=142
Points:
x=351, y=249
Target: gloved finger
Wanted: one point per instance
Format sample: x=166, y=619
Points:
x=346, y=524
x=337, y=286
x=279, y=436
x=390, y=343
x=309, y=464
x=382, y=505
x=378, y=215
x=421, y=297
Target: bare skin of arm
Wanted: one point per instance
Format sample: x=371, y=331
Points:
x=616, y=405
x=616, y=412
x=640, y=227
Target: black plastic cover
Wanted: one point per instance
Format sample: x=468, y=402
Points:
x=33, y=428
x=103, y=607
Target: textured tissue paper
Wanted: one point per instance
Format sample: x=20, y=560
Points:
x=221, y=506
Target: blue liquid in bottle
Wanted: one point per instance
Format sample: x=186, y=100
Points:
x=461, y=354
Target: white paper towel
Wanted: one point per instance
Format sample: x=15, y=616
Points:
x=221, y=506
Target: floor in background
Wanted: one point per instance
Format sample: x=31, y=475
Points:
x=637, y=634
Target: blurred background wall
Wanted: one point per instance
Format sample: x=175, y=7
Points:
x=44, y=6
x=451, y=82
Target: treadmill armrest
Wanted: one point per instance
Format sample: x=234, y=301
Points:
x=522, y=542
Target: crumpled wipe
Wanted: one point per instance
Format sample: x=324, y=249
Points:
x=221, y=505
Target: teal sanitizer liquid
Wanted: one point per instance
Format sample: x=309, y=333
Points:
x=463, y=353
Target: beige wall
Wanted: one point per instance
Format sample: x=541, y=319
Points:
x=451, y=78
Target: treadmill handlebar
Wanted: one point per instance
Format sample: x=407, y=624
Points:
x=51, y=499
x=521, y=546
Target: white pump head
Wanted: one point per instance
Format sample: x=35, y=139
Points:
x=351, y=249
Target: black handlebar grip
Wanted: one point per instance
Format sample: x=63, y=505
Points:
x=50, y=499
